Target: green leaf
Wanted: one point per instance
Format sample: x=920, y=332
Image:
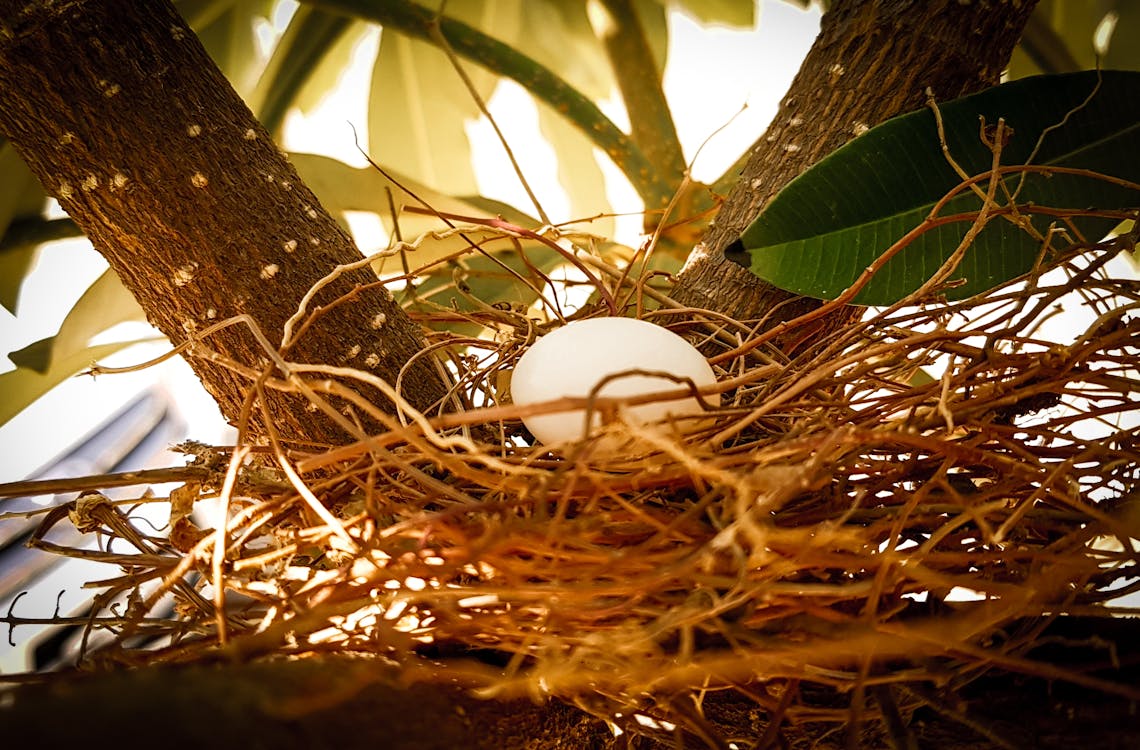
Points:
x=560, y=37
x=409, y=18
x=201, y=13
x=46, y=363
x=20, y=197
x=419, y=106
x=578, y=171
x=312, y=34
x=344, y=188
x=654, y=19
x=228, y=31
x=738, y=13
x=22, y=387
x=830, y=223
x=18, y=250
x=1059, y=37
x=20, y=192
x=920, y=378
x=474, y=283
x=1052, y=42
x=627, y=29
x=105, y=304
x=14, y=265
x=35, y=356
x=1123, y=52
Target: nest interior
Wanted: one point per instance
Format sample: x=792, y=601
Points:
x=874, y=508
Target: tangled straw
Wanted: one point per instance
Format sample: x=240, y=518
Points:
x=875, y=510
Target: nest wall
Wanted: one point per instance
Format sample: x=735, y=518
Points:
x=908, y=499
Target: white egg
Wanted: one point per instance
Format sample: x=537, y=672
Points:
x=573, y=359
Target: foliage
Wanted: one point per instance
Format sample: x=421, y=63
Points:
x=21, y=197
x=1062, y=37
x=819, y=235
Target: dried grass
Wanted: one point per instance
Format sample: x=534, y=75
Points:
x=816, y=531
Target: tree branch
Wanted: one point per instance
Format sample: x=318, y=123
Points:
x=871, y=61
x=121, y=115
x=337, y=701
x=639, y=81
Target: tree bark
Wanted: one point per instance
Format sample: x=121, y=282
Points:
x=873, y=59
x=344, y=702
x=124, y=118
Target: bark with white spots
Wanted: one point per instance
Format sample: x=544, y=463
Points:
x=123, y=117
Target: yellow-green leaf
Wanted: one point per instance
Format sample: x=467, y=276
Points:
x=344, y=188
x=419, y=106
x=738, y=13
x=306, y=63
x=20, y=196
x=578, y=171
x=22, y=387
x=228, y=31
x=105, y=304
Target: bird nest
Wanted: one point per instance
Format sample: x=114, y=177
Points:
x=876, y=508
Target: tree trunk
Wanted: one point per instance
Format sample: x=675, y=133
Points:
x=123, y=117
x=873, y=59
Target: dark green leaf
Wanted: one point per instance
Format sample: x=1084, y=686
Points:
x=829, y=224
